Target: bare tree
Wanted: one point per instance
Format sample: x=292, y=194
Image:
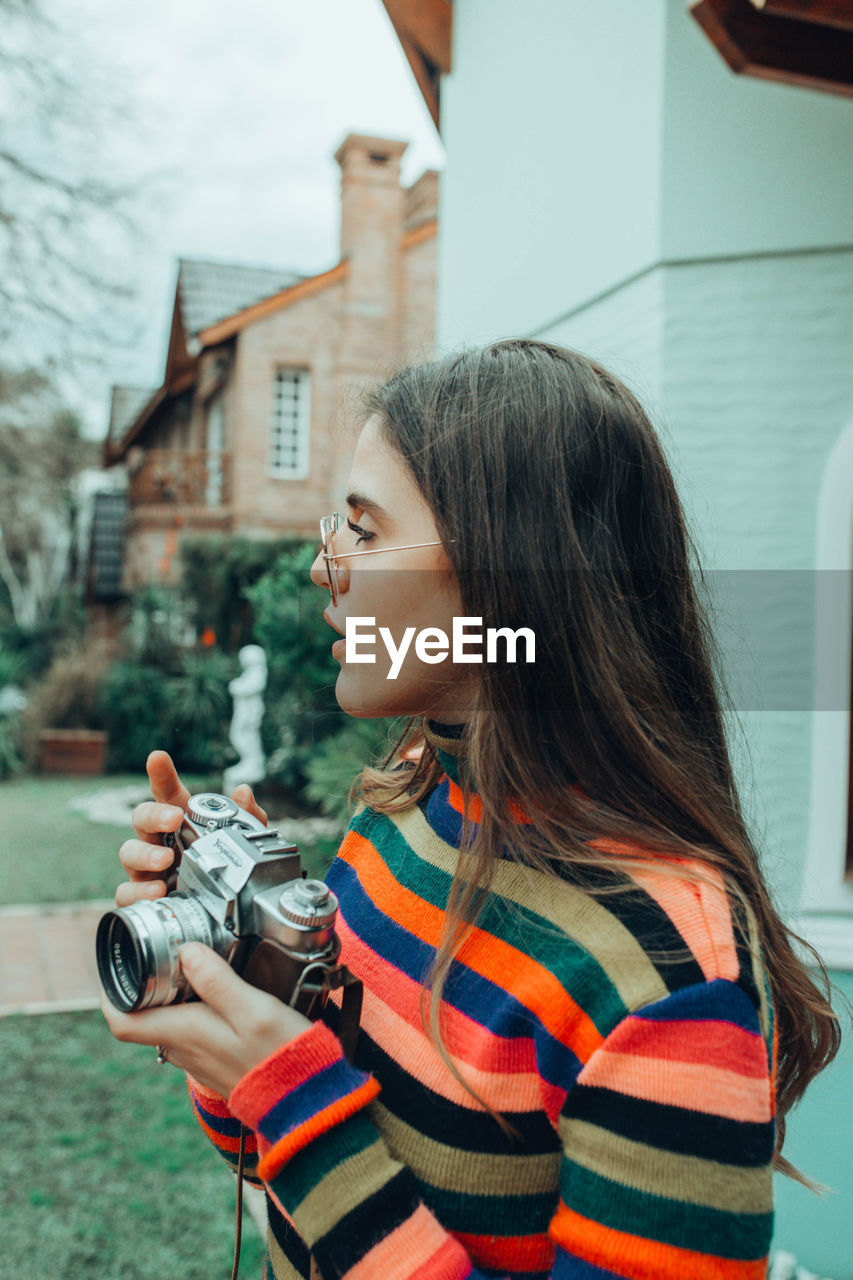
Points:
x=66, y=220
x=42, y=453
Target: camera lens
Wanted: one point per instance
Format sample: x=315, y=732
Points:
x=137, y=949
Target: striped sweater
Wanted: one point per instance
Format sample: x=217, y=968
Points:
x=627, y=1038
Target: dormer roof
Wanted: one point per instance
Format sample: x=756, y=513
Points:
x=213, y=291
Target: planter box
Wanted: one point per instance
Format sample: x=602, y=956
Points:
x=72, y=751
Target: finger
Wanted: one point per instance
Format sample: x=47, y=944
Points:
x=138, y=856
x=164, y=1025
x=166, y=786
x=215, y=982
x=139, y=890
x=244, y=797
x=151, y=820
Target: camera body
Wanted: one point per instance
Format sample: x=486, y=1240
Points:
x=238, y=887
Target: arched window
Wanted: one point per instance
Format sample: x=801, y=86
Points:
x=827, y=919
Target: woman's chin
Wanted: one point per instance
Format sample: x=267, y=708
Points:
x=367, y=702
x=376, y=698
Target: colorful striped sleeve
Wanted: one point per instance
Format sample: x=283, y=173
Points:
x=222, y=1127
x=668, y=1139
x=358, y=1210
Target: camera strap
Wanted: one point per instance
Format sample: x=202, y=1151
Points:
x=352, y=993
x=334, y=977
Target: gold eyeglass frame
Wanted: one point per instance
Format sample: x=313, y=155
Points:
x=329, y=526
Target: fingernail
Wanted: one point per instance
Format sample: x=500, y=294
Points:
x=154, y=890
x=189, y=953
x=168, y=813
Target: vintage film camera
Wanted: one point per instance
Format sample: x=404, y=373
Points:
x=237, y=886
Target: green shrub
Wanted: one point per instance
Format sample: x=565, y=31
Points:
x=216, y=574
x=14, y=667
x=39, y=644
x=135, y=699
x=334, y=763
x=11, y=750
x=154, y=628
x=301, y=710
x=66, y=697
x=186, y=713
x=201, y=710
x=312, y=746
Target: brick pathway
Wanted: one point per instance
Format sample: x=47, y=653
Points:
x=47, y=957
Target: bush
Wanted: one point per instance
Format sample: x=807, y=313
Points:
x=216, y=574
x=155, y=627
x=312, y=746
x=11, y=751
x=14, y=667
x=301, y=710
x=67, y=697
x=185, y=712
x=334, y=764
x=201, y=710
x=39, y=644
x=162, y=693
x=136, y=705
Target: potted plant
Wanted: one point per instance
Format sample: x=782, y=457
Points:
x=64, y=727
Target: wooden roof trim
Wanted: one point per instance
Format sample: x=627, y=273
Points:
x=268, y=306
x=173, y=387
x=831, y=13
x=419, y=234
x=428, y=23
x=424, y=29
x=788, y=50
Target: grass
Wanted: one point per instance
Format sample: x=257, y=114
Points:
x=49, y=853
x=106, y=1171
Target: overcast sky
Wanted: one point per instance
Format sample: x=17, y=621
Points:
x=239, y=109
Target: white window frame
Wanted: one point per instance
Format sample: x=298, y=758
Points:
x=826, y=916
x=298, y=468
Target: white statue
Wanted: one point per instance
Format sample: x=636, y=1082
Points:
x=245, y=732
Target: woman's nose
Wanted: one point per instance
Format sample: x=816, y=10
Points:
x=318, y=573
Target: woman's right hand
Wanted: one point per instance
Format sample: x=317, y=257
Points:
x=146, y=859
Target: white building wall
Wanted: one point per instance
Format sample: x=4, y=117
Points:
x=745, y=369
x=749, y=166
x=613, y=186
x=553, y=130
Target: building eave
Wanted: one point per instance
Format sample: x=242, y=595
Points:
x=174, y=387
x=424, y=29
x=808, y=43
x=269, y=306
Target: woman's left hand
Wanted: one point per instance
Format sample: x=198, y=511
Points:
x=220, y=1039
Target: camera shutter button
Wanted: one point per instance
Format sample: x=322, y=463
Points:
x=207, y=809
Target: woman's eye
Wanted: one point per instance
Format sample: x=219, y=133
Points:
x=363, y=534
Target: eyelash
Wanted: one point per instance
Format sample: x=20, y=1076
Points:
x=363, y=534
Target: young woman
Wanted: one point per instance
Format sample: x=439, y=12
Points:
x=583, y=1020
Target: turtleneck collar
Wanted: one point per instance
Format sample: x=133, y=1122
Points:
x=445, y=739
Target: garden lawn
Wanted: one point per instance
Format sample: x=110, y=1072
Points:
x=49, y=853
x=106, y=1172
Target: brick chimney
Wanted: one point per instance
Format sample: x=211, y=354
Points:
x=421, y=201
x=372, y=219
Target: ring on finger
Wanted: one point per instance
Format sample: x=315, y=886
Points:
x=161, y=1055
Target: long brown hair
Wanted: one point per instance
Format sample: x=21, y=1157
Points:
x=557, y=508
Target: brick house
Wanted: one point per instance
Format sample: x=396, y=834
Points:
x=249, y=433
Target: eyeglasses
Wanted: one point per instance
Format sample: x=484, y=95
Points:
x=329, y=526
